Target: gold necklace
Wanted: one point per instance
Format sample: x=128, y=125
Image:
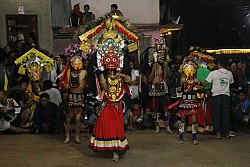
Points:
x=190, y=81
x=112, y=81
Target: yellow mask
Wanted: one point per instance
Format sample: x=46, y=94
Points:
x=77, y=65
x=189, y=70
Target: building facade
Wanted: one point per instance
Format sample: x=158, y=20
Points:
x=36, y=18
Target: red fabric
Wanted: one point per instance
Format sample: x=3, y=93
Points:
x=107, y=148
x=64, y=78
x=174, y=104
x=188, y=112
x=77, y=12
x=137, y=112
x=127, y=89
x=109, y=126
x=153, y=103
x=204, y=118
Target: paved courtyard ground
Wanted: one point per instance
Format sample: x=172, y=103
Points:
x=147, y=149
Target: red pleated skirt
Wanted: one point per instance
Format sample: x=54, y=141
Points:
x=108, y=133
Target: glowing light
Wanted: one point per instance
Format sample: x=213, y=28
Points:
x=229, y=51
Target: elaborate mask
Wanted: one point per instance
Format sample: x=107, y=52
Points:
x=110, y=56
x=189, y=70
x=76, y=63
x=111, y=61
x=161, y=57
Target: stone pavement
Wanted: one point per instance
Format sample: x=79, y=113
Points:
x=146, y=150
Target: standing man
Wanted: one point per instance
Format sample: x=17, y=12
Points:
x=220, y=101
x=73, y=80
x=76, y=16
x=87, y=16
x=115, y=10
x=158, y=89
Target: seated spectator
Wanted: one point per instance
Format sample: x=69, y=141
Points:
x=76, y=16
x=149, y=118
x=47, y=117
x=135, y=116
x=6, y=112
x=87, y=16
x=13, y=110
x=54, y=94
x=6, y=126
x=241, y=111
x=90, y=104
x=18, y=93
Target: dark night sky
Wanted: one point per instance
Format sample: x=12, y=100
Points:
x=216, y=24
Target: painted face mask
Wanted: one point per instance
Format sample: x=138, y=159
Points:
x=111, y=61
x=161, y=57
x=110, y=56
x=76, y=63
x=189, y=70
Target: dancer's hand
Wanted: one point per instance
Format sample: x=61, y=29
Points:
x=120, y=75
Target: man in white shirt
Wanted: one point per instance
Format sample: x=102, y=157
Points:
x=220, y=101
x=54, y=94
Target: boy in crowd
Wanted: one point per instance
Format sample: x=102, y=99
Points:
x=241, y=111
x=135, y=116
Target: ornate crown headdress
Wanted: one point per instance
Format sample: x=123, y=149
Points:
x=73, y=49
x=75, y=58
x=160, y=43
x=190, y=64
